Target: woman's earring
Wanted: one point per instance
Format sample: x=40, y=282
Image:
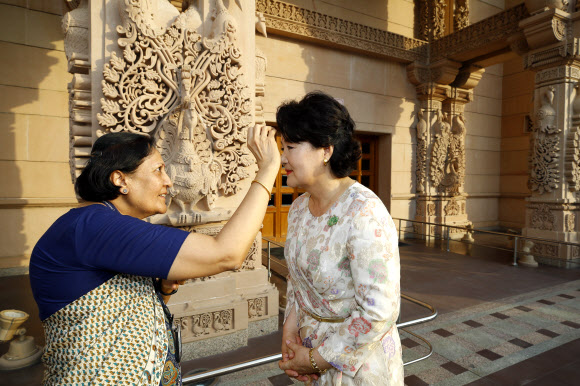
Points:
x=124, y=191
x=325, y=162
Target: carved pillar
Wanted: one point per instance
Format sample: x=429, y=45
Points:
x=443, y=89
x=552, y=211
x=189, y=80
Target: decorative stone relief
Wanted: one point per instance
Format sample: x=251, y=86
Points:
x=572, y=169
x=570, y=222
x=421, y=166
x=544, y=174
x=543, y=249
x=206, y=325
x=431, y=209
x=542, y=218
x=448, y=154
x=461, y=15
x=438, y=19
x=188, y=91
x=496, y=28
x=452, y=208
x=257, y=307
x=289, y=19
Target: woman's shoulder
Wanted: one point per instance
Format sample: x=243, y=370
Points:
x=362, y=201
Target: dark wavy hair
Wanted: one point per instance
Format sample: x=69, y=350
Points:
x=113, y=151
x=322, y=121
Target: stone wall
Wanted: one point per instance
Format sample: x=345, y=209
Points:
x=36, y=186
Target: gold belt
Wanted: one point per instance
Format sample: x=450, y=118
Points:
x=321, y=319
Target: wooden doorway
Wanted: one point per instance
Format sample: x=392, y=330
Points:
x=276, y=218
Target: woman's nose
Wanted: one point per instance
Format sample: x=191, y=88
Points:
x=167, y=180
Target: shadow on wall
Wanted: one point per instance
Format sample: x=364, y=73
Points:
x=32, y=113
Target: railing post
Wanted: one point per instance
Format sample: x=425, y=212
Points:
x=269, y=271
x=515, y=263
x=399, y=229
x=448, y=239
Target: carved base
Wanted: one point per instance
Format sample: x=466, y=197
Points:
x=441, y=210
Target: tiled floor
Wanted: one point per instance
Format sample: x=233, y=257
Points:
x=497, y=324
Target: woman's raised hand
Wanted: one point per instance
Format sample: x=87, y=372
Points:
x=262, y=144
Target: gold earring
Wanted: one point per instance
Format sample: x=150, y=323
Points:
x=325, y=162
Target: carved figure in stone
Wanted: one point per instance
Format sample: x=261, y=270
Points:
x=570, y=222
x=461, y=14
x=421, y=167
x=226, y=316
x=544, y=174
x=542, y=218
x=185, y=330
x=189, y=92
x=448, y=154
x=217, y=324
x=197, y=328
x=452, y=208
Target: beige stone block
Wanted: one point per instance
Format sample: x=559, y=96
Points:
x=483, y=125
x=373, y=128
x=400, y=29
x=482, y=162
x=479, y=10
x=482, y=209
x=368, y=75
x=13, y=137
x=285, y=58
x=405, y=135
x=496, y=69
x=36, y=180
x=19, y=3
x=520, y=104
x=44, y=30
x=513, y=66
x=33, y=67
x=513, y=125
x=477, y=183
x=402, y=158
x=404, y=209
x=489, y=86
x=49, y=6
x=515, y=143
x=512, y=211
x=12, y=22
x=21, y=100
x=402, y=182
x=48, y=139
x=21, y=228
x=514, y=162
x=514, y=184
x=484, y=105
x=397, y=82
x=517, y=84
x=475, y=142
x=327, y=67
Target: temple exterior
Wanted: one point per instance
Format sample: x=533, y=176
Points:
x=468, y=111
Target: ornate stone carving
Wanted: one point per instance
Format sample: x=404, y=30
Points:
x=288, y=19
x=542, y=218
x=257, y=307
x=188, y=91
x=572, y=169
x=261, y=63
x=206, y=325
x=438, y=18
x=570, y=222
x=544, y=174
x=431, y=209
x=479, y=35
x=452, y=208
x=448, y=154
x=421, y=167
x=547, y=250
x=461, y=15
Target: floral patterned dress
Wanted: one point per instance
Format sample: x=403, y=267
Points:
x=344, y=283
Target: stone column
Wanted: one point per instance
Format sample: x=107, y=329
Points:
x=443, y=90
x=553, y=208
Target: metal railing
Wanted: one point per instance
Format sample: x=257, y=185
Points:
x=447, y=238
x=277, y=357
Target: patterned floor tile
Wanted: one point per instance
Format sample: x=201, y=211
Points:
x=520, y=343
x=498, y=332
x=473, y=361
x=571, y=324
x=443, y=332
x=454, y=368
x=409, y=343
x=488, y=354
x=566, y=296
x=524, y=308
x=413, y=380
x=535, y=338
x=451, y=350
x=499, y=315
x=481, y=338
x=506, y=349
x=473, y=323
x=436, y=375
x=548, y=333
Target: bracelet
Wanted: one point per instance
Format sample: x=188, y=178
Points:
x=313, y=363
x=158, y=288
x=263, y=186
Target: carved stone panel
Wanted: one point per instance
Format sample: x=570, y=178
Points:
x=542, y=218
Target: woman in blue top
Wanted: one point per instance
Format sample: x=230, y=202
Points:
x=91, y=272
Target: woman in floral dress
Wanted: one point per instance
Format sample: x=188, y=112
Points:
x=342, y=254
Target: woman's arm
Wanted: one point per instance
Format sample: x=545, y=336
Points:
x=202, y=255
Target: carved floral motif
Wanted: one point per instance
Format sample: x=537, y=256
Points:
x=544, y=173
x=542, y=218
x=257, y=307
x=461, y=14
x=452, y=208
x=543, y=249
x=188, y=91
x=570, y=222
x=421, y=166
x=448, y=154
x=431, y=209
x=206, y=325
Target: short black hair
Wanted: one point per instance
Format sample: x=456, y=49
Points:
x=322, y=121
x=114, y=151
